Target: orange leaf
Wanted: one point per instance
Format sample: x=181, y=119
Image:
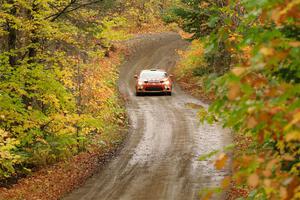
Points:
x=266, y=51
x=226, y=182
x=234, y=91
x=221, y=161
x=294, y=44
x=251, y=122
x=186, y=35
x=264, y=117
x=267, y=182
x=207, y=196
x=267, y=173
x=271, y=164
x=253, y=180
x=283, y=193
x=261, y=137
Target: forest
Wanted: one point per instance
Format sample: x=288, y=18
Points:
x=59, y=70
x=57, y=89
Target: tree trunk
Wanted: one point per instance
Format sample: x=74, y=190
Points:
x=12, y=36
x=32, y=51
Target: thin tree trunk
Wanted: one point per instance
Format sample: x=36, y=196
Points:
x=32, y=51
x=12, y=36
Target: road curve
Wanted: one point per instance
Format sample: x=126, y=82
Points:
x=159, y=159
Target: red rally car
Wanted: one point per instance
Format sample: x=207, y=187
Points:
x=153, y=81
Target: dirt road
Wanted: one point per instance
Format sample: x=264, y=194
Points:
x=159, y=160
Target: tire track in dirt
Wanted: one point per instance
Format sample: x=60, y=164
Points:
x=159, y=160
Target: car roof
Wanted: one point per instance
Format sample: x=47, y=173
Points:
x=153, y=70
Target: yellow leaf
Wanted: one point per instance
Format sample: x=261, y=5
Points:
x=221, y=161
x=267, y=51
x=226, y=182
x=296, y=119
x=238, y=70
x=293, y=136
x=253, y=180
x=232, y=38
x=288, y=157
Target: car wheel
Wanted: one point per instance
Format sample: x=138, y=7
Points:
x=139, y=94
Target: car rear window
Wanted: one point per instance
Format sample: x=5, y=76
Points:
x=153, y=74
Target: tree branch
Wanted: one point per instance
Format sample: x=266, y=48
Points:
x=68, y=9
x=57, y=15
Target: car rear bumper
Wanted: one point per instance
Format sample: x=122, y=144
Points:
x=153, y=89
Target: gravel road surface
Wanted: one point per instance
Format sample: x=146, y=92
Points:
x=159, y=158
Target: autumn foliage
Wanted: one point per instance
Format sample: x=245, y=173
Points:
x=58, y=93
x=258, y=96
x=58, y=77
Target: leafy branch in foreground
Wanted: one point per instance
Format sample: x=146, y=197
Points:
x=260, y=98
x=257, y=91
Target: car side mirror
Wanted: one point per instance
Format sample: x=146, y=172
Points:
x=135, y=76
